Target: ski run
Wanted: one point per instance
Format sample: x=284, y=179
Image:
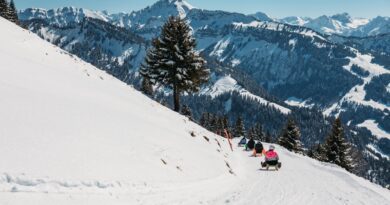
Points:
x=72, y=134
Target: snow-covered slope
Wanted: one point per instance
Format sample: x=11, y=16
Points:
x=73, y=126
x=227, y=84
x=72, y=134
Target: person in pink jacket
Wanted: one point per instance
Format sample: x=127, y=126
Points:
x=271, y=158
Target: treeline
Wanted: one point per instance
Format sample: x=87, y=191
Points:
x=336, y=149
x=8, y=11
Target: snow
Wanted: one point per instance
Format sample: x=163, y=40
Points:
x=227, y=84
x=357, y=22
x=235, y=62
x=72, y=134
x=293, y=101
x=375, y=129
x=357, y=93
x=183, y=7
x=276, y=27
x=388, y=88
x=220, y=47
x=292, y=42
x=375, y=150
x=364, y=61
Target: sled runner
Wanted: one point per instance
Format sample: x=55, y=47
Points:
x=267, y=165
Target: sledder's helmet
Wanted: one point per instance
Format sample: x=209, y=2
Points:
x=271, y=147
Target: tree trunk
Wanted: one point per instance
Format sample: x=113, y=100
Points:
x=176, y=100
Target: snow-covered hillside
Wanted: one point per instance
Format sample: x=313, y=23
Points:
x=227, y=84
x=71, y=134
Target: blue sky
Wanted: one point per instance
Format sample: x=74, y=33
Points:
x=274, y=8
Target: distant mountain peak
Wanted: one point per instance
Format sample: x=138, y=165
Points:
x=261, y=16
x=343, y=17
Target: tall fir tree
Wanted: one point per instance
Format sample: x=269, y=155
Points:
x=173, y=62
x=290, y=138
x=337, y=150
x=147, y=87
x=239, y=128
x=4, y=9
x=13, y=13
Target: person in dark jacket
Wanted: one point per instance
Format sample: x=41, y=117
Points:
x=250, y=145
x=242, y=142
x=258, y=149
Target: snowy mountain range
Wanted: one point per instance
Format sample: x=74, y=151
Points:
x=73, y=134
x=153, y=16
x=298, y=64
x=342, y=24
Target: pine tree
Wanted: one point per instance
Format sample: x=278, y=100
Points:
x=290, y=138
x=251, y=134
x=203, y=120
x=213, y=123
x=268, y=138
x=147, y=87
x=4, y=9
x=239, y=129
x=226, y=123
x=173, y=62
x=220, y=126
x=337, y=151
x=186, y=111
x=12, y=13
x=258, y=132
x=318, y=153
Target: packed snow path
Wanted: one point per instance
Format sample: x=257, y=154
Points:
x=71, y=134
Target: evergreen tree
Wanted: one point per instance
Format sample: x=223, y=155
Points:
x=290, y=138
x=213, y=123
x=258, y=132
x=251, y=133
x=268, y=138
x=203, y=120
x=13, y=13
x=337, y=151
x=173, y=62
x=147, y=87
x=4, y=9
x=239, y=129
x=225, y=122
x=318, y=153
x=220, y=126
x=186, y=111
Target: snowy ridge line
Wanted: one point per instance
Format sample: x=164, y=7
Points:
x=274, y=26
